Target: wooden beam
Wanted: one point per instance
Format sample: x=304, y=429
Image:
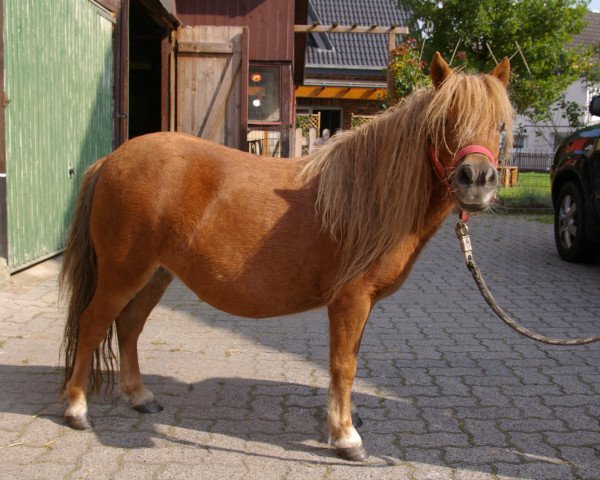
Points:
x=163, y=17
x=111, y=5
x=121, y=72
x=244, y=72
x=349, y=29
x=172, y=82
x=165, y=91
x=390, y=74
x=205, y=47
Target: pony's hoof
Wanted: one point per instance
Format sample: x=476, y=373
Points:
x=150, y=407
x=354, y=454
x=356, y=420
x=81, y=422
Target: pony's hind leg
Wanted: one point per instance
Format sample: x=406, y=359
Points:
x=110, y=297
x=347, y=318
x=129, y=326
x=357, y=421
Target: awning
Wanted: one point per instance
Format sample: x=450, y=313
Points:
x=372, y=93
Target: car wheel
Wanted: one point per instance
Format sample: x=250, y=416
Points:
x=569, y=226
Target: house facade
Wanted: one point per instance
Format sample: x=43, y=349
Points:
x=345, y=73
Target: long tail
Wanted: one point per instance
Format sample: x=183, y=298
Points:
x=78, y=279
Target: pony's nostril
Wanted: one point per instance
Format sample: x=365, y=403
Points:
x=491, y=177
x=465, y=175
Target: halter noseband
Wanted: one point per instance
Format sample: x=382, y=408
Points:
x=443, y=172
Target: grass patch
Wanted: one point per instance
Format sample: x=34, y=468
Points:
x=532, y=191
x=545, y=219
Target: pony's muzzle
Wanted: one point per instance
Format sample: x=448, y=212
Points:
x=475, y=181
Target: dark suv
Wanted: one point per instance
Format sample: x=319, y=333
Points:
x=575, y=175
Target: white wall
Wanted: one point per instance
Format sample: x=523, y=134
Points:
x=540, y=137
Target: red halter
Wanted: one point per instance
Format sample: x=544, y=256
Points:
x=443, y=172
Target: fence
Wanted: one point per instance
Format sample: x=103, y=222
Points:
x=531, y=161
x=304, y=145
x=358, y=120
x=525, y=180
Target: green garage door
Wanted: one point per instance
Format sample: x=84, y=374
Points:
x=58, y=78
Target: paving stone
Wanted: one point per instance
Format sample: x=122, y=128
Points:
x=484, y=432
x=535, y=470
x=586, y=461
x=472, y=472
x=34, y=471
x=137, y=471
x=480, y=455
x=433, y=440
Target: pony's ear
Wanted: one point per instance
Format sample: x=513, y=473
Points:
x=439, y=70
x=502, y=71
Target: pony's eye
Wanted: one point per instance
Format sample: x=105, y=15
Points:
x=501, y=127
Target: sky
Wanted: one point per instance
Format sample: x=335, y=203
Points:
x=594, y=5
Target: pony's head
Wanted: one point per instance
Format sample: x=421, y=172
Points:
x=466, y=118
x=376, y=183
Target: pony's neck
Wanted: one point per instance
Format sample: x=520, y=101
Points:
x=440, y=206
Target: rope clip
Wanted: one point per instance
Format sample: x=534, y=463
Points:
x=462, y=233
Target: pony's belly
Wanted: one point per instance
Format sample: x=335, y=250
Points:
x=247, y=299
x=251, y=286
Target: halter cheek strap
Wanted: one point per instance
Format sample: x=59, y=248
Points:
x=443, y=172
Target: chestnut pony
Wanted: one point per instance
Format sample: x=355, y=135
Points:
x=261, y=237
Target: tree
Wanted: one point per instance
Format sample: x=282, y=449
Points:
x=473, y=32
x=407, y=69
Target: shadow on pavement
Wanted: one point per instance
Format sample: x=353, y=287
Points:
x=280, y=420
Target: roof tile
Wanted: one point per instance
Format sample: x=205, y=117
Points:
x=353, y=49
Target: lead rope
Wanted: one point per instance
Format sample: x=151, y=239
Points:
x=462, y=233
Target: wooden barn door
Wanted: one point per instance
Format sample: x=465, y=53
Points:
x=212, y=83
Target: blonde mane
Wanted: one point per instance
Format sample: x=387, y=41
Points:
x=375, y=182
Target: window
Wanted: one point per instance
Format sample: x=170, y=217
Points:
x=270, y=108
x=264, y=98
x=519, y=140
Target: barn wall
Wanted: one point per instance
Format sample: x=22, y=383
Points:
x=58, y=76
x=270, y=22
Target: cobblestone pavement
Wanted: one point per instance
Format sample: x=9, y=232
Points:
x=445, y=389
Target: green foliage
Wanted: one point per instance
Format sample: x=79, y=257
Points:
x=408, y=70
x=543, y=29
x=571, y=111
x=358, y=120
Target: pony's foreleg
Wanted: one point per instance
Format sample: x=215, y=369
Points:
x=129, y=326
x=347, y=317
